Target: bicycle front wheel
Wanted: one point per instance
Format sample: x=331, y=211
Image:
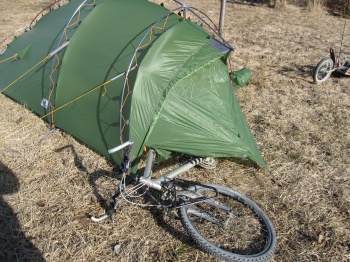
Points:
x=229, y=225
x=323, y=70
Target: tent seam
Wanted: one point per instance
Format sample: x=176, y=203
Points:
x=170, y=89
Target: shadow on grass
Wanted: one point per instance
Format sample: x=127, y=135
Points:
x=303, y=72
x=14, y=245
x=157, y=213
x=168, y=222
x=93, y=177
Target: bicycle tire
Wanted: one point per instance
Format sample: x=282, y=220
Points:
x=323, y=70
x=236, y=240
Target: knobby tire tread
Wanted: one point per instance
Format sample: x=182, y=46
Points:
x=205, y=245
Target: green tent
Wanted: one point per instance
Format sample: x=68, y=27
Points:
x=111, y=71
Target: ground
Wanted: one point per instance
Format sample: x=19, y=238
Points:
x=49, y=186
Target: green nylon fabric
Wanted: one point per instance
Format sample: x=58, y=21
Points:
x=22, y=53
x=181, y=98
x=184, y=102
x=240, y=77
x=160, y=67
x=101, y=49
x=32, y=47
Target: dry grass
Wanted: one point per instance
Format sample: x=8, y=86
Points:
x=302, y=129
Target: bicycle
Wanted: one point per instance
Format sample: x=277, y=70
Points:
x=328, y=65
x=220, y=220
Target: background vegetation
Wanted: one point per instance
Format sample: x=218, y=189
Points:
x=335, y=6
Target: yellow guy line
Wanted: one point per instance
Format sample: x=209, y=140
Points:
x=78, y=18
x=11, y=57
x=42, y=61
x=53, y=111
x=134, y=60
x=62, y=106
x=151, y=37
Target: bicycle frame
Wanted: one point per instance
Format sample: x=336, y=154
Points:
x=146, y=179
x=157, y=183
x=328, y=65
x=198, y=206
x=339, y=63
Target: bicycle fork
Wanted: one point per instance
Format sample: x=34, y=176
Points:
x=145, y=179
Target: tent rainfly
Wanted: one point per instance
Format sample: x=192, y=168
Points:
x=110, y=71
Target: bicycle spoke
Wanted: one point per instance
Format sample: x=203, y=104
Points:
x=244, y=233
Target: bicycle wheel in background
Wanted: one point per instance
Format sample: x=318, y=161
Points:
x=323, y=70
x=242, y=232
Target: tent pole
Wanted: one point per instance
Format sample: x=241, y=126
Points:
x=222, y=16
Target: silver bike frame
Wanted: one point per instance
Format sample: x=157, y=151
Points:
x=157, y=183
x=146, y=179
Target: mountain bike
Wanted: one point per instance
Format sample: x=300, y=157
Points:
x=328, y=65
x=220, y=220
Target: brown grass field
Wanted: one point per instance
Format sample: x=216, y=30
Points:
x=47, y=187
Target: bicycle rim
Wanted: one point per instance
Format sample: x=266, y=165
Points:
x=243, y=234
x=323, y=70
